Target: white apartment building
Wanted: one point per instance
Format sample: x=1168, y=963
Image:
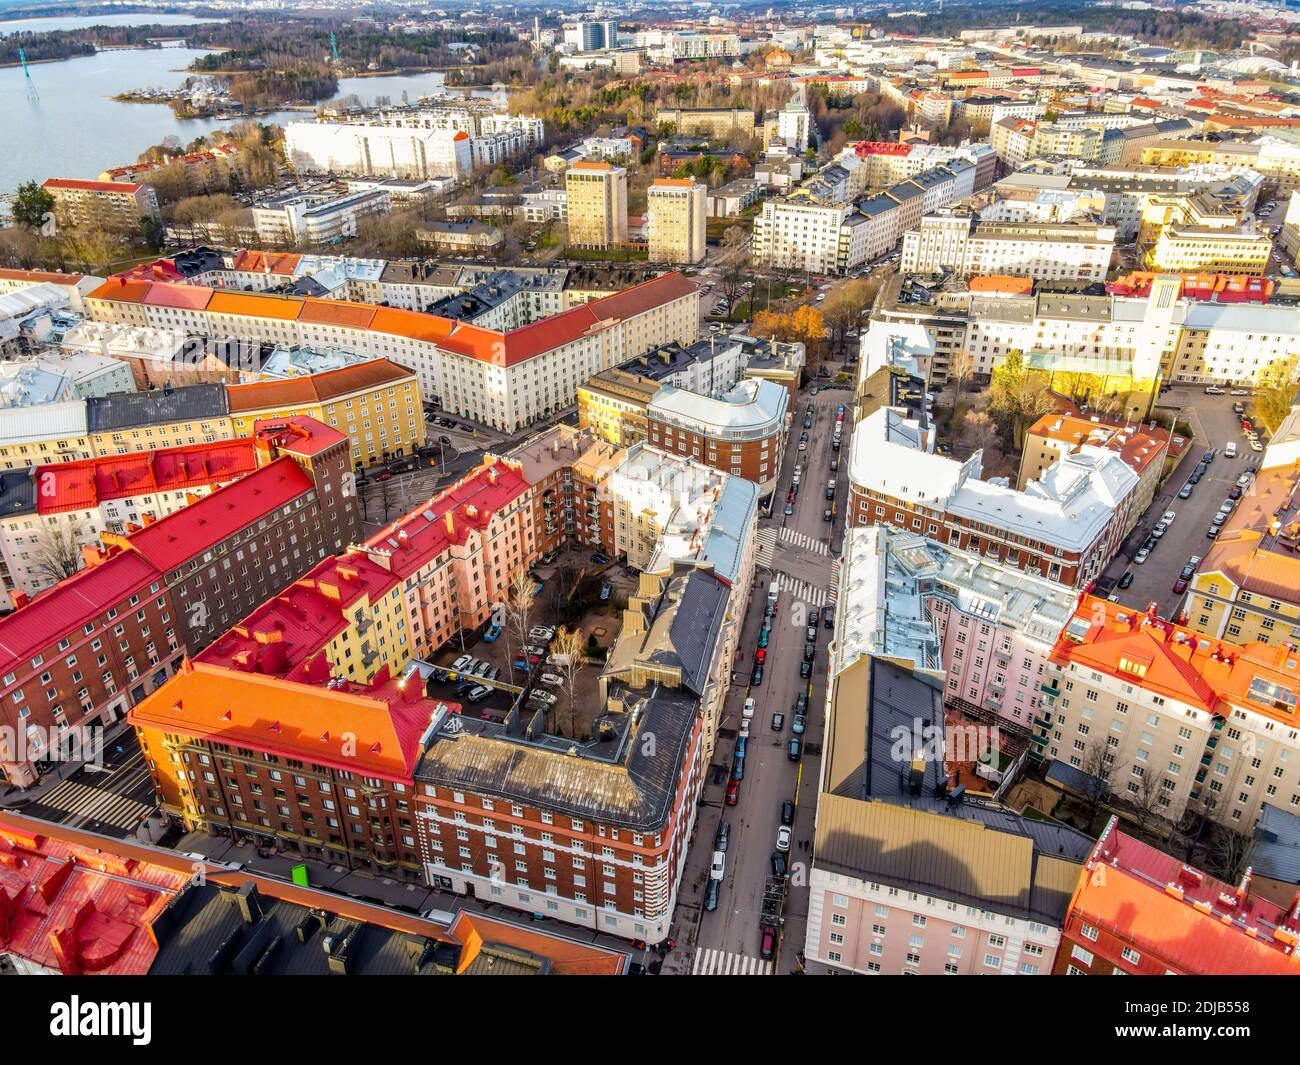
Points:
x=962, y=243
x=308, y=219
x=502, y=378
x=377, y=150
x=793, y=235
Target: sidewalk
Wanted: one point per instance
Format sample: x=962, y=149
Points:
x=13, y=797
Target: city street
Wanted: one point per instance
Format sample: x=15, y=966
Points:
x=799, y=552
x=1214, y=424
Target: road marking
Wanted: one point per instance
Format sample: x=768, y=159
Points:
x=84, y=804
x=802, y=539
x=765, y=546
x=710, y=962
x=802, y=590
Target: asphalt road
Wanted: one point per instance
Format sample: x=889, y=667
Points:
x=1215, y=424
x=802, y=557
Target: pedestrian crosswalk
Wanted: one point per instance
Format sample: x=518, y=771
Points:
x=764, y=546
x=802, y=539
x=709, y=962
x=85, y=804
x=804, y=592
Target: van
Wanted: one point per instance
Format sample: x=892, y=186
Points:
x=773, y=594
x=1230, y=449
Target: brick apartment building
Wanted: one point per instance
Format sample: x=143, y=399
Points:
x=84, y=651
x=1066, y=526
x=306, y=723
x=1139, y=912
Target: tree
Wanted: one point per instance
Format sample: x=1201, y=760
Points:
x=32, y=206
x=1228, y=853
x=979, y=432
x=518, y=611
x=959, y=372
x=1097, y=768
x=1019, y=395
x=57, y=549
x=386, y=492
x=845, y=304
x=1275, y=391
x=1145, y=800
x=571, y=658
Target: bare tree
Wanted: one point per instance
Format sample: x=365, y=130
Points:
x=571, y=659
x=518, y=612
x=384, y=491
x=1145, y=800
x=1228, y=853
x=1098, y=768
x=959, y=372
x=57, y=548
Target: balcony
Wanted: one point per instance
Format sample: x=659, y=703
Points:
x=1050, y=689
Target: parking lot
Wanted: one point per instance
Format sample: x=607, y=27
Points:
x=1214, y=424
x=570, y=596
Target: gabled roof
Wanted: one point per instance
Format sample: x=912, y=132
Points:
x=188, y=532
x=315, y=388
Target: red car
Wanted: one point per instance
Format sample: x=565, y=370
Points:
x=733, y=793
x=1180, y=584
x=767, y=941
x=792, y=497
x=385, y=476
x=760, y=656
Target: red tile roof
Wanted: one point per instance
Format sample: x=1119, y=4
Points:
x=1175, y=917
x=77, y=908
x=79, y=485
x=92, y=186
x=182, y=535
x=336, y=312
x=266, y=262
x=296, y=434
x=184, y=297
x=69, y=605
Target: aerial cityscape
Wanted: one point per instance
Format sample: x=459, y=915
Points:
x=702, y=489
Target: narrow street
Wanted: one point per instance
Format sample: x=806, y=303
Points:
x=799, y=552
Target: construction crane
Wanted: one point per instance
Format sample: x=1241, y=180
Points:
x=334, y=46
x=32, y=94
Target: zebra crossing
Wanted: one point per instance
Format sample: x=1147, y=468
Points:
x=85, y=804
x=805, y=592
x=711, y=962
x=802, y=539
x=764, y=547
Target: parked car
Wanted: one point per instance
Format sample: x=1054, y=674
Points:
x=733, y=793
x=493, y=631
x=599, y=559
x=805, y=669
x=756, y=678
x=711, y=894
x=738, y=769
x=1180, y=584
x=748, y=710
x=1141, y=556
x=787, y=812
x=778, y=864
x=1127, y=579
x=741, y=744
x=813, y=616
x=718, y=866
x=462, y=663
x=541, y=633
x=783, y=838
x=763, y=635
x=1255, y=445
x=1168, y=517
x=478, y=693
x=1211, y=532
x=606, y=589
x=543, y=697
x=1186, y=492
x=795, y=749
x=1213, y=390
x=828, y=619
x=789, y=508
x=778, y=721
x=799, y=723
x=1234, y=492
x=551, y=680
x=809, y=651
x=767, y=942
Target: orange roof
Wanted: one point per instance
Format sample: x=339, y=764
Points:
x=314, y=388
x=1175, y=917
x=375, y=731
x=676, y=183
x=39, y=276
x=1004, y=283
x=266, y=262
x=337, y=312
x=1179, y=663
x=121, y=290
x=588, y=164
x=1137, y=445
x=254, y=306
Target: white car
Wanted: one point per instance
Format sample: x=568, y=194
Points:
x=1212, y=390
x=1141, y=556
x=541, y=632
x=543, y=697
x=462, y=663
x=1168, y=517
x=748, y=711
x=783, y=838
x=718, y=867
x=551, y=679
x=1255, y=445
